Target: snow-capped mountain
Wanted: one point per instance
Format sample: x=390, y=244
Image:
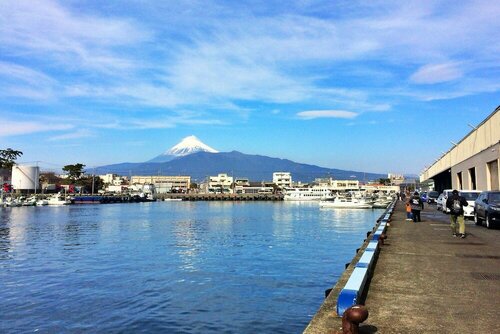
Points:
x=186, y=146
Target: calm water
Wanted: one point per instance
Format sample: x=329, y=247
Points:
x=172, y=267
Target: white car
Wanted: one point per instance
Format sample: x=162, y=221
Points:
x=446, y=193
x=439, y=202
x=470, y=196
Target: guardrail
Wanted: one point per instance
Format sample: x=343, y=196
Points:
x=355, y=287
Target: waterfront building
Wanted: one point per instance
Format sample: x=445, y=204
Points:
x=164, y=184
x=221, y=182
x=241, y=181
x=472, y=163
x=396, y=179
x=113, y=179
x=377, y=187
x=282, y=179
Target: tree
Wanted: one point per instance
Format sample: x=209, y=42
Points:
x=386, y=182
x=75, y=171
x=8, y=156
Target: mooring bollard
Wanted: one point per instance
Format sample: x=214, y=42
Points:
x=352, y=317
x=382, y=238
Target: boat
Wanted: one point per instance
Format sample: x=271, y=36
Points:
x=308, y=194
x=347, y=202
x=58, y=199
x=30, y=201
x=42, y=202
x=169, y=199
x=12, y=202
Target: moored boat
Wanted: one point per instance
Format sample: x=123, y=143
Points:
x=308, y=194
x=58, y=199
x=346, y=202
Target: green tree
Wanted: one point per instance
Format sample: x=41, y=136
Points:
x=75, y=171
x=8, y=156
x=386, y=182
x=90, y=182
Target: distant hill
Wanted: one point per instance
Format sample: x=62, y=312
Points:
x=201, y=164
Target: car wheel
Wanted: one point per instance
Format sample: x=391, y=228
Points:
x=476, y=219
x=488, y=223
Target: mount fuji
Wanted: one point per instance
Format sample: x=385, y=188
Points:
x=193, y=158
x=188, y=145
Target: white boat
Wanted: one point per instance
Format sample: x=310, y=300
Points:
x=58, y=199
x=41, y=202
x=11, y=202
x=308, y=194
x=347, y=203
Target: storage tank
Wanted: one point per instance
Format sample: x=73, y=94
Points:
x=25, y=177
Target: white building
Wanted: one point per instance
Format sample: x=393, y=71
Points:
x=220, y=182
x=164, y=184
x=282, y=179
x=339, y=185
x=396, y=179
x=113, y=179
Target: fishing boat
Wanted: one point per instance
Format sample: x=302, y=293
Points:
x=58, y=199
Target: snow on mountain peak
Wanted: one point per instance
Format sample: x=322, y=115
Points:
x=189, y=145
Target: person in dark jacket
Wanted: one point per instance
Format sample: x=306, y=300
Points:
x=416, y=205
x=456, y=205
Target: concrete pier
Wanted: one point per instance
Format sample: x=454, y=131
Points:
x=427, y=281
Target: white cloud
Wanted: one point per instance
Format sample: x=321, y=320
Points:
x=312, y=114
x=48, y=30
x=80, y=133
x=436, y=73
x=13, y=128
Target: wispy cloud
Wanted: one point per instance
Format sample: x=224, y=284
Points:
x=47, y=29
x=436, y=73
x=76, y=134
x=13, y=128
x=312, y=114
x=215, y=58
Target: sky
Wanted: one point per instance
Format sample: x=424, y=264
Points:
x=374, y=86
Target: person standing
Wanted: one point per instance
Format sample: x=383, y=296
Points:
x=416, y=206
x=456, y=205
x=408, y=211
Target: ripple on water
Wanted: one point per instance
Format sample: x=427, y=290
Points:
x=172, y=267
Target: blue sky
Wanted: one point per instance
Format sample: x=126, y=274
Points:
x=376, y=86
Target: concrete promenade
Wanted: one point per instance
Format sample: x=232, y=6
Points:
x=427, y=281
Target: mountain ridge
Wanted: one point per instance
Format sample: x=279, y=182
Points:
x=202, y=164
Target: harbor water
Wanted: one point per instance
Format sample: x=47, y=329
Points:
x=172, y=267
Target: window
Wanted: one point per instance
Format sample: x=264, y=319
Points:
x=472, y=178
x=493, y=175
x=459, y=180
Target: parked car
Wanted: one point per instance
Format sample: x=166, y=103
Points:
x=439, y=202
x=487, y=209
x=446, y=194
x=470, y=196
x=432, y=196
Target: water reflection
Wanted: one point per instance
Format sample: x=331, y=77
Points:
x=172, y=267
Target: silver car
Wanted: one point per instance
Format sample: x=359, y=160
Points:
x=439, y=202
